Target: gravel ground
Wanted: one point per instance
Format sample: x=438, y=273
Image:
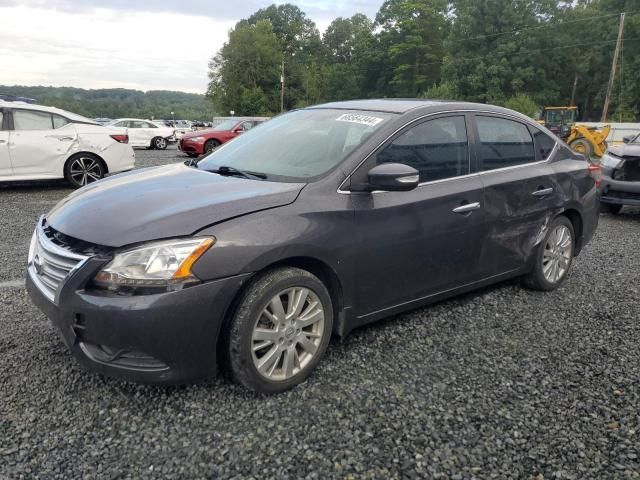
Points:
x=502, y=383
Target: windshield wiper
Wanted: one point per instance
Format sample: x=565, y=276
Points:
x=229, y=171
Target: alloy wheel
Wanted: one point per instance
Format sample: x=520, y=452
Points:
x=85, y=170
x=287, y=334
x=557, y=254
x=161, y=143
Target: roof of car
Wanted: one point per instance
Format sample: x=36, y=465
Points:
x=403, y=105
x=43, y=108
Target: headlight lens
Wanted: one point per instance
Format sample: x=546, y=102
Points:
x=197, y=139
x=164, y=266
x=610, y=161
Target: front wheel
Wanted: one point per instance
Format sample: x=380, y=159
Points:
x=83, y=169
x=210, y=146
x=159, y=143
x=554, y=257
x=280, y=330
x=582, y=145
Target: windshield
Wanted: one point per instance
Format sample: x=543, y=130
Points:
x=299, y=145
x=226, y=125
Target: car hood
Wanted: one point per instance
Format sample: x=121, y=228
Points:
x=200, y=133
x=625, y=150
x=162, y=202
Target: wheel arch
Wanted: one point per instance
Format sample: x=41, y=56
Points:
x=85, y=152
x=575, y=217
x=315, y=266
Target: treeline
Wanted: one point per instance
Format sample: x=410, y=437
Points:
x=524, y=54
x=119, y=102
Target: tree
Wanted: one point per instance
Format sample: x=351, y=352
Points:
x=412, y=34
x=245, y=73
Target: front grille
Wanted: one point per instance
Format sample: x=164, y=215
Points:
x=49, y=263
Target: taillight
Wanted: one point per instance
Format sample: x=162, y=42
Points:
x=596, y=172
x=121, y=138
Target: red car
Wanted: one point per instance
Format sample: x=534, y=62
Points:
x=205, y=141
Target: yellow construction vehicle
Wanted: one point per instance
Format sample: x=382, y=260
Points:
x=587, y=140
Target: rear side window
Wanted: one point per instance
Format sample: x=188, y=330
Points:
x=31, y=120
x=503, y=143
x=544, y=143
x=1, y=121
x=59, y=121
x=438, y=149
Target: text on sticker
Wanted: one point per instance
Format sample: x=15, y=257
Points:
x=357, y=118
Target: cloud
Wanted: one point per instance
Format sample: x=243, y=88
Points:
x=147, y=45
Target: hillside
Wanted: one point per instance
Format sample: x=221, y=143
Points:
x=119, y=102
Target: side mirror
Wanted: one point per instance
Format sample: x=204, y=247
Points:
x=393, y=177
x=628, y=138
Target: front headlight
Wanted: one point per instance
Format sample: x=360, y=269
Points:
x=610, y=161
x=158, y=266
x=197, y=139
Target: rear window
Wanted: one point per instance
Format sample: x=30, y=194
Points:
x=504, y=143
x=544, y=143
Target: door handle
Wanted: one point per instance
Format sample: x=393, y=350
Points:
x=542, y=192
x=3, y=141
x=467, y=207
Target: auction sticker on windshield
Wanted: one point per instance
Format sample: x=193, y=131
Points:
x=361, y=119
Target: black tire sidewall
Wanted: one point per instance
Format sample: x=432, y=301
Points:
x=262, y=290
x=67, y=168
x=210, y=146
x=538, y=279
x=155, y=140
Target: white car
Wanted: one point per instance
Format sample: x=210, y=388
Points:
x=145, y=133
x=38, y=143
x=182, y=128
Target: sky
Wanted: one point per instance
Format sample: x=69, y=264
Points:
x=140, y=44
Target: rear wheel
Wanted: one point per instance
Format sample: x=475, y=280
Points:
x=582, y=145
x=83, y=169
x=211, y=145
x=611, y=208
x=159, y=143
x=280, y=330
x=554, y=257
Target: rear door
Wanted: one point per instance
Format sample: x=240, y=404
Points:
x=520, y=190
x=419, y=243
x=40, y=143
x=143, y=132
x=5, y=160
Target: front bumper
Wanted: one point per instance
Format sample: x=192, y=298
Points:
x=167, y=338
x=190, y=147
x=617, y=192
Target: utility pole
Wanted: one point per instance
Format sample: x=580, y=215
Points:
x=573, y=92
x=614, y=66
x=282, y=88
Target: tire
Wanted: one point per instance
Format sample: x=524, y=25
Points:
x=159, y=143
x=210, y=146
x=582, y=145
x=612, y=208
x=543, y=276
x=290, y=351
x=83, y=169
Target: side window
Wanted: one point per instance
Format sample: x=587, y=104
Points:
x=246, y=126
x=148, y=125
x=124, y=124
x=1, y=120
x=437, y=148
x=59, y=121
x=544, y=143
x=503, y=143
x=136, y=124
x=31, y=120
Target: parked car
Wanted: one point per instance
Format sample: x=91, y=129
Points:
x=145, y=133
x=621, y=175
x=320, y=221
x=103, y=121
x=183, y=127
x=205, y=141
x=40, y=143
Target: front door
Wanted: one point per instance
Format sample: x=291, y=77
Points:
x=419, y=243
x=520, y=191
